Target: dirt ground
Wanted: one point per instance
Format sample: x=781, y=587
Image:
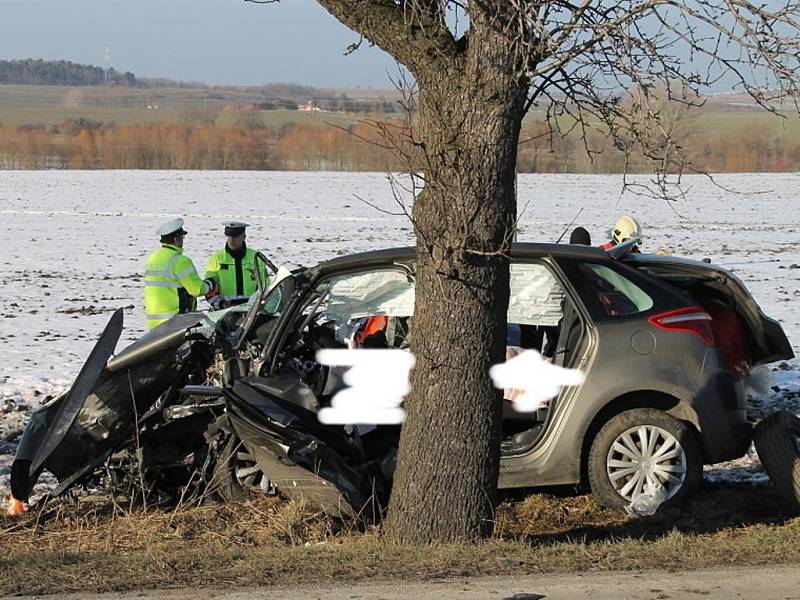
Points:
x=67, y=549
x=765, y=583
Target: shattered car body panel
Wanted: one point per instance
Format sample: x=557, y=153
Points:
x=69, y=408
x=302, y=458
x=106, y=415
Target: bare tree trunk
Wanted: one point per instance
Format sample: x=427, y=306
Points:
x=446, y=479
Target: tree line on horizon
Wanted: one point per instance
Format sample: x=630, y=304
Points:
x=87, y=144
x=271, y=96
x=60, y=72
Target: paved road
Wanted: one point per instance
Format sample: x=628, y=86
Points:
x=767, y=583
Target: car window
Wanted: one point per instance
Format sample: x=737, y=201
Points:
x=536, y=296
x=278, y=294
x=535, y=310
x=384, y=292
x=369, y=309
x=616, y=295
x=267, y=303
x=383, y=299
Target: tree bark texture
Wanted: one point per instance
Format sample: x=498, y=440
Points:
x=470, y=114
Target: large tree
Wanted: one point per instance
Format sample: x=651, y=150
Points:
x=478, y=66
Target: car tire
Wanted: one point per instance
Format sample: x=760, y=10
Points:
x=618, y=469
x=777, y=440
x=236, y=474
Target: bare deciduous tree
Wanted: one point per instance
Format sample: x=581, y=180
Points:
x=479, y=66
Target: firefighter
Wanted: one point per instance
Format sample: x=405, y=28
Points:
x=171, y=282
x=626, y=228
x=234, y=268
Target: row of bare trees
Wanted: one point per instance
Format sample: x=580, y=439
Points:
x=207, y=146
x=162, y=146
x=756, y=149
x=359, y=148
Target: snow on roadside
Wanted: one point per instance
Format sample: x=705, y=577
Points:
x=76, y=241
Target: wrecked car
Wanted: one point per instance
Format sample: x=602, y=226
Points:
x=225, y=404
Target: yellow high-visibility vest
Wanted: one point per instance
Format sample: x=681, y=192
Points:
x=171, y=284
x=236, y=277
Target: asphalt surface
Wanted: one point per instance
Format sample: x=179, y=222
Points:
x=765, y=583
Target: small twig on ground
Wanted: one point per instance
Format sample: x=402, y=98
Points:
x=138, y=445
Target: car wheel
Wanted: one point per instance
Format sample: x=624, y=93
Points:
x=777, y=440
x=237, y=474
x=642, y=449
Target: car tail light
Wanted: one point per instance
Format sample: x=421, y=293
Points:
x=692, y=319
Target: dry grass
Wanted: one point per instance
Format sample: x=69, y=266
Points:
x=268, y=541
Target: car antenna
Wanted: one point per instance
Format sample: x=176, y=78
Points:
x=745, y=262
x=571, y=223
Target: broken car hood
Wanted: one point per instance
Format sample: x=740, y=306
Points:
x=99, y=412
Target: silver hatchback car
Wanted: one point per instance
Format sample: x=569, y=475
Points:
x=666, y=345
x=232, y=398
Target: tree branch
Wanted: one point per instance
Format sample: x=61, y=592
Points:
x=412, y=31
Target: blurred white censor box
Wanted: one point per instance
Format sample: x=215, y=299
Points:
x=531, y=381
x=377, y=381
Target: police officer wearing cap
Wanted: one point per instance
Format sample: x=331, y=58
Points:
x=171, y=282
x=234, y=268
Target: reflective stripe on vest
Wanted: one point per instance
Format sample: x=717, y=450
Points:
x=157, y=274
x=185, y=272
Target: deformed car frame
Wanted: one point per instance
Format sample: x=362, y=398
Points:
x=177, y=416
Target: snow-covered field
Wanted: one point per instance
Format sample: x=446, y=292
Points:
x=74, y=246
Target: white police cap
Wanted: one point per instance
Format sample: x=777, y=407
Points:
x=170, y=227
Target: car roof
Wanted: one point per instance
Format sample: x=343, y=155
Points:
x=408, y=253
x=670, y=260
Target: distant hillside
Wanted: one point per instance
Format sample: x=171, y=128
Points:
x=59, y=72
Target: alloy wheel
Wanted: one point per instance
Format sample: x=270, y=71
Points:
x=248, y=474
x=644, y=458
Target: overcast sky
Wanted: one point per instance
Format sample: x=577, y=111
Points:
x=214, y=41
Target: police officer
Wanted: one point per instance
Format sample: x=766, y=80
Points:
x=171, y=282
x=234, y=268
